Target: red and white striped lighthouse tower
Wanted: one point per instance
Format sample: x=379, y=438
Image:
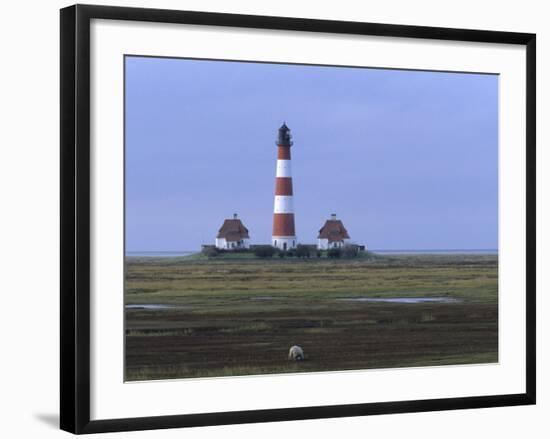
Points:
x=284, y=234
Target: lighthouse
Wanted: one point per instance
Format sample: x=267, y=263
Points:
x=284, y=234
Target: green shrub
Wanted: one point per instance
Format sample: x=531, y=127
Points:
x=350, y=251
x=264, y=251
x=210, y=252
x=302, y=251
x=334, y=253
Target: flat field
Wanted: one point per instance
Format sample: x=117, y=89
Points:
x=193, y=317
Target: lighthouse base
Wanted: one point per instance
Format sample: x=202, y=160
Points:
x=284, y=242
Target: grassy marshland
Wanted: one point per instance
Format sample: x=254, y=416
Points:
x=238, y=316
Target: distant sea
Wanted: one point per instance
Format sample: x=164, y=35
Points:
x=454, y=251
x=161, y=254
x=482, y=251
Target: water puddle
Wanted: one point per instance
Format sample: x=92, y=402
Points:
x=402, y=299
x=154, y=306
x=262, y=298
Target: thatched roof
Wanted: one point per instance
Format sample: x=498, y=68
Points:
x=233, y=230
x=333, y=230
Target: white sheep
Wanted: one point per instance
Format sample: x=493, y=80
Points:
x=296, y=353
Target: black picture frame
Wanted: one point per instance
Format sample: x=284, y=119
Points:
x=75, y=217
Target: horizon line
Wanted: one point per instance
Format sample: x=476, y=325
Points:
x=376, y=249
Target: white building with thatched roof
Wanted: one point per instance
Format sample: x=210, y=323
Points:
x=232, y=235
x=333, y=234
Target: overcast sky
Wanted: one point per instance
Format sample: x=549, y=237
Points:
x=407, y=160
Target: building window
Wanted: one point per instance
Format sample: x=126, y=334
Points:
x=275, y=244
x=293, y=243
x=284, y=245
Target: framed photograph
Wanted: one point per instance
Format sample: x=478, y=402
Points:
x=275, y=218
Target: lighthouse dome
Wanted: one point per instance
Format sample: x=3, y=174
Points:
x=284, y=138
